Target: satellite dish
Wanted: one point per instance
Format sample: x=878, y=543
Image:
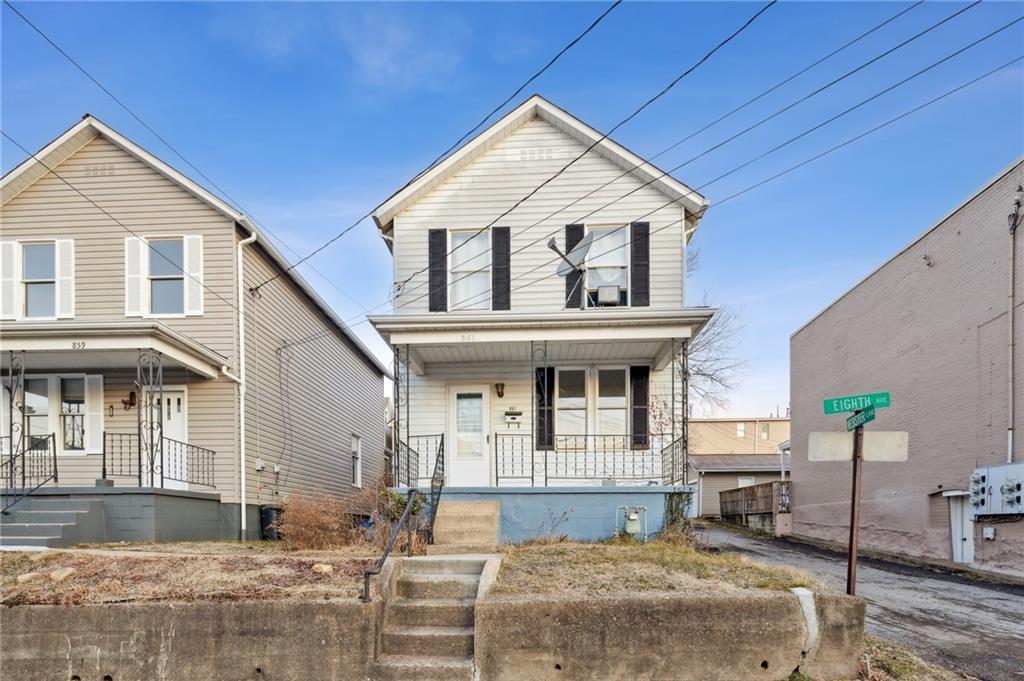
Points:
x=574, y=259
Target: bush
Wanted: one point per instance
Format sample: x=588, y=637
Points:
x=318, y=521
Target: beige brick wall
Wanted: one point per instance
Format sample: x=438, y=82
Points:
x=930, y=326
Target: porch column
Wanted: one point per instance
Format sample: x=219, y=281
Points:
x=149, y=381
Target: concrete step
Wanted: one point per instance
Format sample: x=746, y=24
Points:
x=21, y=516
x=427, y=641
x=406, y=667
x=447, y=534
x=460, y=549
x=29, y=541
x=443, y=566
x=432, y=612
x=473, y=522
x=438, y=586
x=48, y=503
x=55, y=530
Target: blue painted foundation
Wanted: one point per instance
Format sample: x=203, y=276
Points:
x=579, y=513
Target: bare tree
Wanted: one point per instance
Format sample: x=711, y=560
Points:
x=714, y=366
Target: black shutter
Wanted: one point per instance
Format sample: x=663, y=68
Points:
x=437, y=261
x=639, y=390
x=501, y=279
x=573, y=285
x=640, y=264
x=544, y=387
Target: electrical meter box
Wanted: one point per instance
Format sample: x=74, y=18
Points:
x=998, y=490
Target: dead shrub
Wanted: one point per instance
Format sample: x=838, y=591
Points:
x=318, y=521
x=679, y=532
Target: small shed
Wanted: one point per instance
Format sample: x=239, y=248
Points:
x=713, y=473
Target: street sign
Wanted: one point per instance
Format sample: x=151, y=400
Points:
x=839, y=405
x=879, y=445
x=859, y=418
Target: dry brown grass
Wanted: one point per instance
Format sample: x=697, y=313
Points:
x=318, y=521
x=890, y=662
x=669, y=563
x=199, y=573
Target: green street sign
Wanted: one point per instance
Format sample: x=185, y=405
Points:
x=839, y=405
x=860, y=418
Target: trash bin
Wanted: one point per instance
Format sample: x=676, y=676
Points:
x=268, y=522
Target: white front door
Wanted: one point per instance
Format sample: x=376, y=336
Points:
x=466, y=445
x=175, y=428
x=961, y=529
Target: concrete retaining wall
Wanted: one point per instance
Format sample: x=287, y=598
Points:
x=256, y=640
x=708, y=637
x=581, y=513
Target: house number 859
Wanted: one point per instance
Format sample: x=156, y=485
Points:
x=78, y=345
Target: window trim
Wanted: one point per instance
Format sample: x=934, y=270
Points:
x=741, y=429
x=588, y=418
x=451, y=273
x=149, y=314
x=765, y=433
x=741, y=478
x=356, y=454
x=589, y=227
x=23, y=282
x=591, y=387
x=54, y=411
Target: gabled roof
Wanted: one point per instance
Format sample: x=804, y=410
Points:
x=535, y=107
x=75, y=138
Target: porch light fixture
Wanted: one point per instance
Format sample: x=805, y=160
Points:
x=110, y=411
x=129, y=401
x=500, y=389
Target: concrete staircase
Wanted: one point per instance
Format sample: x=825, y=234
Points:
x=428, y=622
x=51, y=522
x=466, y=527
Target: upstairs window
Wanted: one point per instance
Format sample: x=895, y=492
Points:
x=764, y=431
x=39, y=276
x=470, y=270
x=741, y=429
x=607, y=268
x=167, y=276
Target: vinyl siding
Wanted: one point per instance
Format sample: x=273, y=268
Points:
x=719, y=437
x=713, y=483
x=942, y=304
x=146, y=202
x=305, y=401
x=494, y=181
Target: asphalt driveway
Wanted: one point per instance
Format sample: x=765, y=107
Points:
x=967, y=626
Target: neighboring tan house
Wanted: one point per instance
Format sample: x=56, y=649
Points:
x=930, y=326
x=534, y=379
x=125, y=360
x=757, y=435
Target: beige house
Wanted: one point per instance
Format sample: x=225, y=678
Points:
x=134, y=353
x=931, y=327
x=714, y=473
x=757, y=435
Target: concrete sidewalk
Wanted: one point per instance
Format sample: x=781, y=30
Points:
x=967, y=626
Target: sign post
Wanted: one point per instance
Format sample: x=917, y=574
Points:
x=863, y=408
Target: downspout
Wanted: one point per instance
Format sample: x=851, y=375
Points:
x=241, y=385
x=1013, y=219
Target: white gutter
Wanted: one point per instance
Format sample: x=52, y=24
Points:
x=241, y=383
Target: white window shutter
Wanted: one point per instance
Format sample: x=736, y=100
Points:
x=10, y=280
x=93, y=413
x=65, y=278
x=194, y=275
x=135, y=270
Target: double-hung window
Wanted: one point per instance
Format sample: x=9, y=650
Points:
x=607, y=267
x=37, y=409
x=470, y=270
x=741, y=429
x=357, y=461
x=68, y=406
x=72, y=413
x=764, y=431
x=39, y=276
x=571, y=402
x=167, y=276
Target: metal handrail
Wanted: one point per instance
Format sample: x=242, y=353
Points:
x=436, y=485
x=379, y=565
x=33, y=466
x=123, y=457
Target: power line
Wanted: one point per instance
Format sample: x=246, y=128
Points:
x=720, y=144
x=433, y=163
x=1004, y=27
x=605, y=136
x=105, y=212
x=236, y=204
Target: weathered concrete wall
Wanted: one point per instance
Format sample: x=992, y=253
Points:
x=581, y=513
x=929, y=326
x=705, y=637
x=255, y=640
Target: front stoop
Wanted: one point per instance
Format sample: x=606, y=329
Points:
x=52, y=522
x=462, y=527
x=428, y=621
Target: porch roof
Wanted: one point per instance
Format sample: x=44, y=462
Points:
x=621, y=334
x=66, y=345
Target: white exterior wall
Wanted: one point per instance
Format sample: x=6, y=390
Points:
x=493, y=182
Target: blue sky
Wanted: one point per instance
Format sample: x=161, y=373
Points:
x=309, y=114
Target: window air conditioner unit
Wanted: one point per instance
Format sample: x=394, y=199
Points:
x=608, y=295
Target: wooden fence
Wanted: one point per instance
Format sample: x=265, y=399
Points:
x=768, y=497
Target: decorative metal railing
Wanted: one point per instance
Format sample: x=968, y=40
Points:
x=436, y=485
x=654, y=458
x=169, y=460
x=23, y=472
